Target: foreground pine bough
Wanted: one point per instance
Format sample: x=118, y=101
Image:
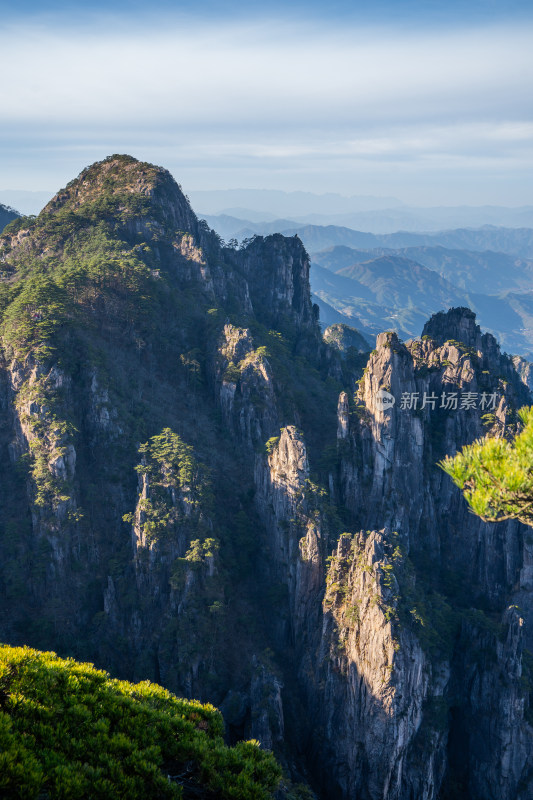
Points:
x=68, y=730
x=496, y=475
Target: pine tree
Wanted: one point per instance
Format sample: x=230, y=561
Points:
x=496, y=476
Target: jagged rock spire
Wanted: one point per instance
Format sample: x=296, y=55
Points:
x=457, y=323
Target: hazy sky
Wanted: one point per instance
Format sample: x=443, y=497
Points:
x=430, y=102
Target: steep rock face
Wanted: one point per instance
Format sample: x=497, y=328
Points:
x=175, y=561
x=280, y=480
x=42, y=434
x=491, y=754
x=266, y=706
x=244, y=386
x=301, y=532
x=523, y=367
x=377, y=680
x=343, y=416
x=384, y=690
x=277, y=270
x=389, y=476
x=102, y=416
x=128, y=337
x=402, y=443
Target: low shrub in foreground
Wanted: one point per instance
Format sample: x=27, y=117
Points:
x=68, y=730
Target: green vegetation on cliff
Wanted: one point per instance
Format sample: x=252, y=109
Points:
x=175, y=479
x=67, y=730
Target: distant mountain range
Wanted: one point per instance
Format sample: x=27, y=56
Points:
x=494, y=272
x=513, y=241
x=390, y=220
x=396, y=280
x=240, y=222
x=197, y=490
x=396, y=290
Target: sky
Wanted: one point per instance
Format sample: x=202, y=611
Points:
x=428, y=102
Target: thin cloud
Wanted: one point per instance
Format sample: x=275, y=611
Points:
x=252, y=103
x=249, y=76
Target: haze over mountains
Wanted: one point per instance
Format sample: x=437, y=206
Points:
x=366, y=213
x=234, y=210
x=396, y=289
x=238, y=222
x=515, y=240
x=26, y=202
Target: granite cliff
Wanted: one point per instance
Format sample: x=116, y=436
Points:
x=197, y=489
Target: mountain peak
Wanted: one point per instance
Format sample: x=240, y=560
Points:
x=456, y=323
x=120, y=185
x=114, y=175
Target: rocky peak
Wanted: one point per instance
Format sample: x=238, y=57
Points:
x=418, y=403
x=130, y=187
x=288, y=461
x=383, y=639
x=456, y=323
x=342, y=337
x=277, y=270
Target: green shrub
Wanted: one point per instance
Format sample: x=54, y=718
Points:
x=232, y=373
x=271, y=445
x=172, y=470
x=67, y=730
